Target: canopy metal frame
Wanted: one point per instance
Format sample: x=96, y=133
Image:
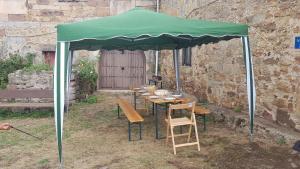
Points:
x=174, y=40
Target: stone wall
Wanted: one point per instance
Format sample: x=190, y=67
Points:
x=30, y=80
x=30, y=26
x=218, y=72
x=22, y=80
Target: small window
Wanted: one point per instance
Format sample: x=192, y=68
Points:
x=49, y=57
x=187, y=56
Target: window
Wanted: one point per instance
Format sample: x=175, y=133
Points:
x=49, y=57
x=187, y=56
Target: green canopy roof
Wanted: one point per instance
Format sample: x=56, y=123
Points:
x=145, y=29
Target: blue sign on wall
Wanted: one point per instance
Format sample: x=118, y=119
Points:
x=297, y=42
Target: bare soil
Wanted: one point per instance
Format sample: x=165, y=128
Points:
x=94, y=138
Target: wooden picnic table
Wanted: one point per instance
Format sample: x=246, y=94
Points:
x=155, y=102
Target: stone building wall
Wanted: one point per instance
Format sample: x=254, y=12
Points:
x=29, y=25
x=218, y=72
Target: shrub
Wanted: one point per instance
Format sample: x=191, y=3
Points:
x=86, y=77
x=13, y=63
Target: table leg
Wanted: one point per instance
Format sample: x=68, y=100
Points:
x=156, y=121
x=167, y=109
x=153, y=109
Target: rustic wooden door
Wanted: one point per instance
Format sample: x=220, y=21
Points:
x=120, y=70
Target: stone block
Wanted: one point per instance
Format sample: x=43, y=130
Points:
x=283, y=117
x=3, y=17
x=51, y=13
x=2, y=32
x=102, y=11
x=16, y=17
x=42, y=2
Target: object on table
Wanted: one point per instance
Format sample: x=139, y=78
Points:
x=161, y=92
x=145, y=94
x=142, y=91
x=169, y=98
x=150, y=89
x=153, y=97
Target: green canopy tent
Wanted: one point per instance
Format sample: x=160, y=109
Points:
x=140, y=29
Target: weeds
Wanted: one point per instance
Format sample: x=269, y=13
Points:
x=281, y=140
x=7, y=114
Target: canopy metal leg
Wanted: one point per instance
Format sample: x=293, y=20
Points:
x=250, y=83
x=176, y=67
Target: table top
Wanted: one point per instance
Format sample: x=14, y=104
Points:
x=158, y=100
x=161, y=100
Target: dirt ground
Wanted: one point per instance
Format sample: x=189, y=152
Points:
x=94, y=138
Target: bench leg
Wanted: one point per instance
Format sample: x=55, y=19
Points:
x=181, y=126
x=129, y=131
x=118, y=111
x=140, y=124
x=204, y=122
x=134, y=98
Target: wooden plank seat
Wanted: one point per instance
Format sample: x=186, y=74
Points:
x=202, y=111
x=132, y=115
x=12, y=94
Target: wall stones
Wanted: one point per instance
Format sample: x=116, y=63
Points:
x=35, y=20
x=218, y=69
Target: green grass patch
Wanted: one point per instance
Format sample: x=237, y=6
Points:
x=281, y=140
x=238, y=109
x=37, y=68
x=43, y=164
x=7, y=114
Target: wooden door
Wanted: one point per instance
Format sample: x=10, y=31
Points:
x=49, y=57
x=120, y=70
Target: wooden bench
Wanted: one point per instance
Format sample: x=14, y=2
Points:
x=202, y=111
x=12, y=94
x=132, y=115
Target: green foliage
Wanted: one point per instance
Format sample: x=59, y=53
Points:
x=86, y=77
x=7, y=114
x=90, y=99
x=281, y=140
x=13, y=63
x=43, y=162
x=37, y=68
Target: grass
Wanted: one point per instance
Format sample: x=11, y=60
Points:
x=7, y=114
x=43, y=163
x=281, y=140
